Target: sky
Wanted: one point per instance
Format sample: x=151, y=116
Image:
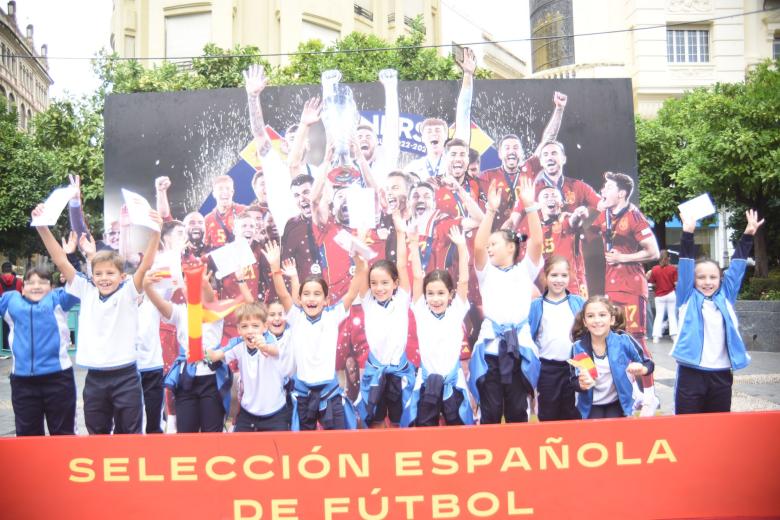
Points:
x=71, y=28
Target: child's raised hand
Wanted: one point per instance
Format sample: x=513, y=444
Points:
x=69, y=245
x=37, y=211
x=87, y=245
x=213, y=355
x=273, y=253
x=636, y=369
x=75, y=182
x=151, y=278
x=493, y=196
x=527, y=192
x=688, y=224
x=155, y=217
x=752, y=222
x=456, y=236
x=398, y=222
x=288, y=268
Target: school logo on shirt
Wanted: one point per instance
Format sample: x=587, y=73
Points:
x=315, y=269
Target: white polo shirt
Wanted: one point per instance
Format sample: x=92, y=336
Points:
x=313, y=343
x=147, y=341
x=107, y=326
x=440, y=338
x=262, y=377
x=506, y=298
x=387, y=327
x=554, y=333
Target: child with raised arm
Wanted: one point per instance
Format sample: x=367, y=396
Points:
x=263, y=367
x=599, y=332
x=388, y=377
x=551, y=318
x=42, y=382
x=439, y=309
x=505, y=363
x=201, y=388
x=316, y=396
x=708, y=347
x=108, y=321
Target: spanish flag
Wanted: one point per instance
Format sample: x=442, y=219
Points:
x=480, y=141
x=249, y=153
x=217, y=310
x=584, y=362
x=194, y=280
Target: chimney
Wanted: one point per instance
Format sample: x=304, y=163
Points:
x=29, y=31
x=44, y=50
x=12, y=9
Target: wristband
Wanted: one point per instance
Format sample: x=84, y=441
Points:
x=531, y=209
x=240, y=281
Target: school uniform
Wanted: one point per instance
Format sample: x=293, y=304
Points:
x=441, y=388
x=150, y=364
x=551, y=324
x=264, y=399
x=504, y=367
x=201, y=389
x=612, y=396
x=708, y=347
x=42, y=382
x=388, y=377
x=106, y=348
x=316, y=394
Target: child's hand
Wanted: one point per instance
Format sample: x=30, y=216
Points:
x=457, y=237
x=273, y=254
x=213, y=355
x=37, y=211
x=585, y=380
x=69, y=246
x=636, y=369
x=752, y=222
x=75, y=182
x=288, y=268
x=155, y=217
x=398, y=222
x=493, y=196
x=688, y=225
x=527, y=192
x=151, y=278
x=87, y=245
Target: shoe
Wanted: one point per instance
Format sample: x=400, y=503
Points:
x=649, y=406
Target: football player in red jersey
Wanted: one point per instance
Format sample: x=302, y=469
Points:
x=219, y=222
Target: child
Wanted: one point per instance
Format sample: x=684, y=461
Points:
x=388, y=376
x=709, y=347
x=551, y=318
x=42, y=383
x=150, y=363
x=263, y=370
x=441, y=385
x=504, y=365
x=317, y=396
x=664, y=277
x=599, y=332
x=201, y=389
x=108, y=321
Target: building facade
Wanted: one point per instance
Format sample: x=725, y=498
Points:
x=177, y=30
x=24, y=73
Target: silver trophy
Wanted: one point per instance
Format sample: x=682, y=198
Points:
x=340, y=117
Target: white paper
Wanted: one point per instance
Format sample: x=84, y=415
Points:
x=138, y=210
x=362, y=208
x=170, y=261
x=352, y=245
x=53, y=206
x=231, y=257
x=697, y=208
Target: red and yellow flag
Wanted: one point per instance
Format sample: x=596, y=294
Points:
x=584, y=362
x=194, y=280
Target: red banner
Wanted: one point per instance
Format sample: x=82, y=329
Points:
x=704, y=466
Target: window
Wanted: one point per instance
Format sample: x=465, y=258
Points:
x=187, y=34
x=687, y=46
x=551, y=27
x=776, y=48
x=129, y=46
x=313, y=31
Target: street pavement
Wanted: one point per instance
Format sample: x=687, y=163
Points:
x=755, y=388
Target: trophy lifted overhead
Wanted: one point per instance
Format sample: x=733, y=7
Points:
x=340, y=117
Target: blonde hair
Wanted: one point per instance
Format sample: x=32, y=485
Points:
x=252, y=310
x=107, y=256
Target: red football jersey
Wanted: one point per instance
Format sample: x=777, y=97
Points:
x=509, y=184
x=216, y=234
x=436, y=249
x=575, y=193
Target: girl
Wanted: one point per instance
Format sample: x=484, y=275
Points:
x=551, y=318
x=504, y=365
x=664, y=276
x=388, y=376
x=42, y=383
x=201, y=389
x=709, y=346
x=441, y=386
x=598, y=332
x=317, y=396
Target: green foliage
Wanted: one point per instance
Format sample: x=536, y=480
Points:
x=762, y=288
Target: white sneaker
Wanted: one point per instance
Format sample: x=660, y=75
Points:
x=170, y=424
x=649, y=406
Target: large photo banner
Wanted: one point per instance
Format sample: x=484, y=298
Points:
x=427, y=149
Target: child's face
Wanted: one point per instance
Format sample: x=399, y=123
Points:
x=312, y=298
x=597, y=319
x=500, y=251
x=437, y=296
x=106, y=277
x=558, y=278
x=249, y=328
x=382, y=284
x=707, y=278
x=275, y=321
x=35, y=288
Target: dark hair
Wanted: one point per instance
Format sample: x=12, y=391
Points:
x=555, y=259
x=258, y=174
x=439, y=275
x=705, y=260
x=169, y=226
x=366, y=126
x=400, y=175
x=40, y=271
x=455, y=142
x=510, y=236
x=7, y=267
x=316, y=279
x=292, y=128
x=387, y=266
x=302, y=179
x=623, y=181
x=275, y=301
x=508, y=136
x=579, y=329
x=427, y=185
x=473, y=155
x=556, y=143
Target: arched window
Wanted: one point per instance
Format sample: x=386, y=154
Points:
x=22, y=116
x=29, y=119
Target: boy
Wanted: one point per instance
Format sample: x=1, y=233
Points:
x=263, y=369
x=108, y=322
